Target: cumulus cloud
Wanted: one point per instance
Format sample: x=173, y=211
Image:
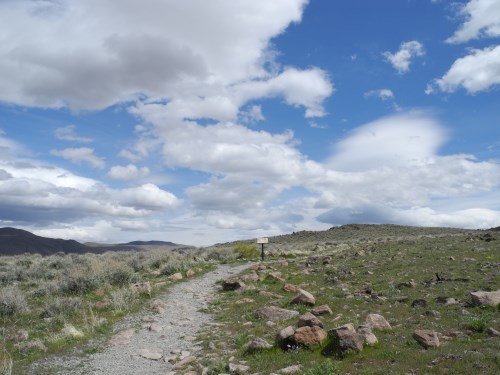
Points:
x=79, y=155
x=208, y=67
x=478, y=71
x=481, y=20
x=68, y=133
x=407, y=51
x=128, y=172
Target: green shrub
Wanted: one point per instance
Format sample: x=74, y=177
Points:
x=247, y=251
x=326, y=368
x=120, y=276
x=79, y=284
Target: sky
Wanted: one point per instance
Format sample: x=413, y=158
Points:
x=201, y=122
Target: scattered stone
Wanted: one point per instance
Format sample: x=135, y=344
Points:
x=408, y=284
x=176, y=276
x=158, y=306
x=451, y=258
x=35, y=344
x=238, y=369
x=322, y=310
x=70, y=330
x=258, y=344
x=360, y=253
x=184, y=362
x=469, y=260
x=327, y=260
x=250, y=277
x=155, y=328
x=309, y=336
x=265, y=293
x=275, y=276
x=426, y=338
x=189, y=273
x=492, y=332
x=233, y=284
x=275, y=313
x=419, y=303
x=291, y=288
x=291, y=369
x=149, y=319
x=122, y=337
x=142, y=287
x=245, y=300
x=486, y=298
x=284, y=264
x=447, y=301
x=433, y=313
x=370, y=338
x=343, y=339
x=270, y=324
x=153, y=354
x=376, y=321
x=304, y=297
x=309, y=320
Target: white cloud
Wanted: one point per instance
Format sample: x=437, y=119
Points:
x=383, y=94
x=476, y=72
x=152, y=51
x=67, y=133
x=407, y=51
x=79, y=155
x=128, y=172
x=481, y=20
x=254, y=114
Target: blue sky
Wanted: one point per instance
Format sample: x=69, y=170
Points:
x=201, y=122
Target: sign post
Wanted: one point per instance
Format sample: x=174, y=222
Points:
x=262, y=241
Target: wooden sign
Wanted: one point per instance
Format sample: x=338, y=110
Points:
x=263, y=240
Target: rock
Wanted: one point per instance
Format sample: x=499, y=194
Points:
x=309, y=320
x=257, y=345
x=408, y=284
x=245, y=300
x=238, y=369
x=426, y=338
x=291, y=288
x=265, y=293
x=343, y=339
x=376, y=321
x=370, y=338
x=142, y=287
x=322, y=310
x=122, y=337
x=176, y=276
x=291, y=369
x=447, y=301
x=149, y=319
x=492, y=332
x=153, y=354
x=155, y=328
x=189, y=273
x=158, y=306
x=184, y=362
x=284, y=263
x=486, y=298
x=451, y=258
x=275, y=276
x=70, y=330
x=419, y=303
x=304, y=297
x=327, y=260
x=433, y=313
x=233, y=284
x=284, y=338
x=250, y=277
x=275, y=313
x=309, y=336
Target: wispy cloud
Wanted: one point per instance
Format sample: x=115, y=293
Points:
x=383, y=94
x=79, y=155
x=68, y=133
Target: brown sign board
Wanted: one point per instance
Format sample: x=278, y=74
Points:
x=263, y=240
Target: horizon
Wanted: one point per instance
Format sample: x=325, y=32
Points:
x=199, y=123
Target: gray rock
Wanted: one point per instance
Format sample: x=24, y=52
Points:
x=426, y=338
x=153, y=354
x=377, y=321
x=486, y=298
x=322, y=310
x=343, y=339
x=257, y=345
x=310, y=320
x=304, y=297
x=275, y=313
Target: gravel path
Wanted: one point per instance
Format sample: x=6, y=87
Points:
x=144, y=342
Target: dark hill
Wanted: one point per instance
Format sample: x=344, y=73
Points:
x=150, y=243
x=17, y=241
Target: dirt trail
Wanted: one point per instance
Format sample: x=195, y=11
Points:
x=172, y=333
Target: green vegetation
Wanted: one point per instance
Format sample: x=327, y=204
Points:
x=247, y=251
x=368, y=270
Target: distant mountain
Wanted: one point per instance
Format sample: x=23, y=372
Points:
x=149, y=243
x=17, y=241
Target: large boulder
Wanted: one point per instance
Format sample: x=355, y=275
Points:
x=303, y=297
x=284, y=338
x=376, y=321
x=309, y=320
x=309, y=336
x=426, y=338
x=275, y=313
x=486, y=298
x=343, y=339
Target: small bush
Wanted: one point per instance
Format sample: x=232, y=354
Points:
x=247, y=251
x=120, y=276
x=326, y=368
x=12, y=301
x=79, y=284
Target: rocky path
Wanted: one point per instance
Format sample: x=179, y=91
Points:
x=144, y=343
